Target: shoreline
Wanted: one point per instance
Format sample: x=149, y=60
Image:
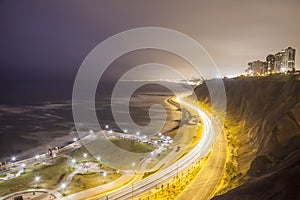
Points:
x=170, y=127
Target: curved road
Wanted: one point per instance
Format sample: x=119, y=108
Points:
x=199, y=151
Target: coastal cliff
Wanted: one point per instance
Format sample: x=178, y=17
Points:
x=263, y=130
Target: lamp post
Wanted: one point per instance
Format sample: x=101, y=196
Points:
x=13, y=159
x=23, y=167
x=37, y=180
x=63, y=187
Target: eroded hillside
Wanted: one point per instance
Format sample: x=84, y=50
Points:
x=263, y=123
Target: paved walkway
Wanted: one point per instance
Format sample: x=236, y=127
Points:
x=35, y=194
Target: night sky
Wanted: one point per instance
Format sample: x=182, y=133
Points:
x=48, y=40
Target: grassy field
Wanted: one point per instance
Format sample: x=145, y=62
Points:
x=51, y=177
x=3, y=175
x=132, y=146
x=85, y=181
x=78, y=155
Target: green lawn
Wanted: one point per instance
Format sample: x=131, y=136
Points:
x=51, y=177
x=3, y=175
x=85, y=181
x=132, y=146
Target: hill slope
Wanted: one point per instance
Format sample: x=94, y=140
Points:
x=265, y=114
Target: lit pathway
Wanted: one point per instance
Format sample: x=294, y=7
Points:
x=40, y=194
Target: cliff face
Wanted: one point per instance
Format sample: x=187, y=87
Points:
x=267, y=112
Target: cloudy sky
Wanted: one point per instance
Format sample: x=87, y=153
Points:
x=48, y=40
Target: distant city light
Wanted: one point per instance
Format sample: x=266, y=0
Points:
x=282, y=69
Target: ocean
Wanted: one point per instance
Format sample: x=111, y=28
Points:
x=36, y=115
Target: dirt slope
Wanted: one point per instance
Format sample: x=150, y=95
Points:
x=267, y=114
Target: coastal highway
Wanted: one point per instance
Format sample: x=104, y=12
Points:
x=200, y=150
x=206, y=183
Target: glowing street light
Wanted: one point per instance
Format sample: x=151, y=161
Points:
x=23, y=165
x=63, y=186
x=13, y=159
x=37, y=180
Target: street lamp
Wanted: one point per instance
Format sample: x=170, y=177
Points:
x=37, y=180
x=63, y=186
x=23, y=167
x=13, y=159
